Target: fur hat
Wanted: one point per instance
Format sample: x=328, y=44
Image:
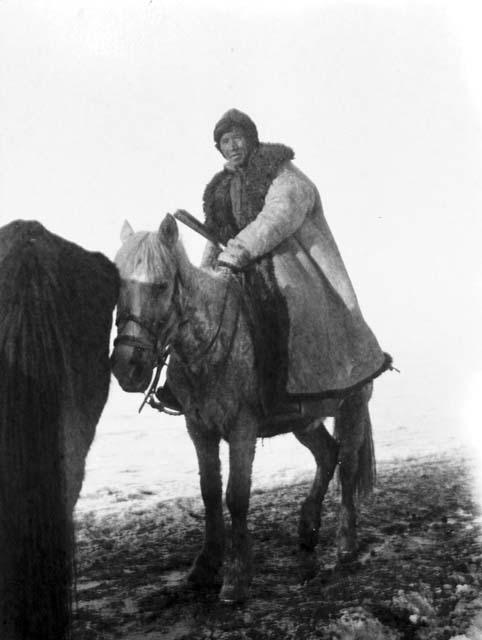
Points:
x=234, y=118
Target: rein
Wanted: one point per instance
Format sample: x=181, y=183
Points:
x=150, y=395
x=161, y=357
x=212, y=341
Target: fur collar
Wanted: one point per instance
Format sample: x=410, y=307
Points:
x=262, y=168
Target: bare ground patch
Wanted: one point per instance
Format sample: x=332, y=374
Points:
x=418, y=574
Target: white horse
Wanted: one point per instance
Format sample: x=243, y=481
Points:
x=199, y=314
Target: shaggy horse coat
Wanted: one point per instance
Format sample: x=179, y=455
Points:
x=166, y=302
x=56, y=303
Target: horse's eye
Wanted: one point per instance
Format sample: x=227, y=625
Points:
x=162, y=286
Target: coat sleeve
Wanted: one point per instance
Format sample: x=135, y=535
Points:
x=288, y=201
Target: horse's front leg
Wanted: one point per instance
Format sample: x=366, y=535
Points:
x=242, y=445
x=207, y=565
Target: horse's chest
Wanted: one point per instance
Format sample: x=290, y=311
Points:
x=201, y=397
x=218, y=413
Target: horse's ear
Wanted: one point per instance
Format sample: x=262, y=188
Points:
x=126, y=232
x=168, y=231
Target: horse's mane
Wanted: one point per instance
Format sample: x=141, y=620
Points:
x=143, y=254
x=144, y=257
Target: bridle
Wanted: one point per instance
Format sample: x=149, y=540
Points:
x=159, y=335
x=136, y=341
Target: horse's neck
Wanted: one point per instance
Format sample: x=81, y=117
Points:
x=202, y=296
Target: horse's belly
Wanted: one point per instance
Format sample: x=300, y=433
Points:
x=325, y=408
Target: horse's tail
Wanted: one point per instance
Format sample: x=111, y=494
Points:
x=366, y=473
x=36, y=531
x=353, y=424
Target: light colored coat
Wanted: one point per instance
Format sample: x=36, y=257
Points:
x=331, y=347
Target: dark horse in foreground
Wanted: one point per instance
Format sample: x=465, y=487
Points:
x=198, y=313
x=56, y=303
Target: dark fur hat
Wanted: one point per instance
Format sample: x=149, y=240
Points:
x=234, y=118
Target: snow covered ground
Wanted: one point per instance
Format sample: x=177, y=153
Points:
x=148, y=457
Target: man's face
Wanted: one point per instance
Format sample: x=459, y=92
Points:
x=234, y=147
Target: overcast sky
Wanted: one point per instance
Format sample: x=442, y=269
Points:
x=107, y=110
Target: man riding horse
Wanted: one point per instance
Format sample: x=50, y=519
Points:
x=311, y=341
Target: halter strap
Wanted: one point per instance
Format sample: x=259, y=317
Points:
x=134, y=341
x=152, y=329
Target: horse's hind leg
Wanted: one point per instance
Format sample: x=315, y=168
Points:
x=242, y=444
x=325, y=451
x=356, y=464
x=206, y=567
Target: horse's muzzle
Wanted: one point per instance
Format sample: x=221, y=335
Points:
x=132, y=367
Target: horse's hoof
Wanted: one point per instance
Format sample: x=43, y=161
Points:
x=202, y=578
x=236, y=593
x=345, y=556
x=347, y=547
x=307, y=565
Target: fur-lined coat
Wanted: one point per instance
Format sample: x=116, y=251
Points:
x=271, y=220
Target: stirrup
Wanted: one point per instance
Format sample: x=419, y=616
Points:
x=166, y=402
x=163, y=408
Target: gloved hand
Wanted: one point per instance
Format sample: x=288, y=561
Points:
x=222, y=264
x=235, y=256
x=225, y=271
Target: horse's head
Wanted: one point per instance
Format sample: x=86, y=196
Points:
x=147, y=313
